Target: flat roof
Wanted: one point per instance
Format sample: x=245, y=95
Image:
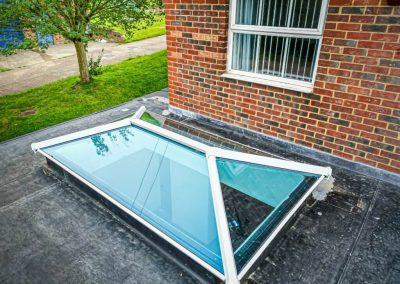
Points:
x=54, y=233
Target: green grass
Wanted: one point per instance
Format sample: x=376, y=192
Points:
x=2, y=69
x=64, y=100
x=156, y=29
x=150, y=119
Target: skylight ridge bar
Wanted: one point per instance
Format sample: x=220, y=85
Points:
x=137, y=217
x=171, y=135
x=227, y=254
x=273, y=162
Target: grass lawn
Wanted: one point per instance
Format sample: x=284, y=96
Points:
x=156, y=29
x=2, y=69
x=59, y=101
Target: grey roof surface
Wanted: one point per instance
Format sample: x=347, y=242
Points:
x=52, y=234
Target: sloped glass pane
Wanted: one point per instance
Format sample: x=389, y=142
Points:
x=256, y=198
x=164, y=182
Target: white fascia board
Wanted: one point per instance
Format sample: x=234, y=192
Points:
x=273, y=162
x=225, y=243
x=171, y=135
x=138, y=218
x=80, y=134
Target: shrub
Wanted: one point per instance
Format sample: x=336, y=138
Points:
x=95, y=67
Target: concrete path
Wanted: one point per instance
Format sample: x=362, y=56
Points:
x=32, y=69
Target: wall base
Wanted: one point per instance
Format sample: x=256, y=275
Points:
x=291, y=147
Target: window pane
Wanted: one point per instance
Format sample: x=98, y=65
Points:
x=275, y=13
x=256, y=198
x=271, y=58
x=305, y=14
x=279, y=13
x=302, y=53
x=244, y=52
x=247, y=11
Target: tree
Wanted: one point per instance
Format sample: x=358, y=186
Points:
x=78, y=20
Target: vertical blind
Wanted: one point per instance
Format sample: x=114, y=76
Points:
x=282, y=53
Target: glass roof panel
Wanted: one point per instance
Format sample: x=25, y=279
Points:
x=256, y=198
x=150, y=171
x=164, y=182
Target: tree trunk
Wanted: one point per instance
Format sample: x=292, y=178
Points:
x=82, y=62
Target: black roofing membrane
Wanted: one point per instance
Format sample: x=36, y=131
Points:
x=54, y=234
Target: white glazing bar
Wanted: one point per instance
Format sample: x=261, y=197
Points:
x=265, y=48
x=313, y=15
x=308, y=7
x=301, y=11
x=294, y=209
x=300, y=58
x=250, y=17
x=270, y=52
x=285, y=56
x=293, y=7
x=273, y=162
x=138, y=218
x=257, y=63
x=288, y=13
x=287, y=40
x=257, y=53
x=284, y=31
x=283, y=43
x=138, y=114
x=322, y=15
x=280, y=14
x=276, y=54
x=260, y=13
x=293, y=55
x=80, y=134
x=171, y=135
x=273, y=17
x=254, y=53
x=306, y=59
x=228, y=257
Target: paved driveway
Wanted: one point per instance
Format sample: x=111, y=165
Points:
x=32, y=69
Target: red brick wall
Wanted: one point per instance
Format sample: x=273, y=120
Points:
x=58, y=39
x=354, y=111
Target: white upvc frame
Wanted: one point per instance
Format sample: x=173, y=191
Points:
x=230, y=274
x=275, y=81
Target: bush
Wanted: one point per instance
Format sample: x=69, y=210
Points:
x=95, y=67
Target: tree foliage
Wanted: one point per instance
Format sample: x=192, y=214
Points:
x=78, y=20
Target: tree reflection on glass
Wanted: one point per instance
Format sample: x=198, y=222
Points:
x=101, y=147
x=125, y=133
x=100, y=144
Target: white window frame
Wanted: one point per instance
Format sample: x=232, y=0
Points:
x=275, y=81
x=230, y=274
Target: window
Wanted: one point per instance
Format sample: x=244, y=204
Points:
x=276, y=42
